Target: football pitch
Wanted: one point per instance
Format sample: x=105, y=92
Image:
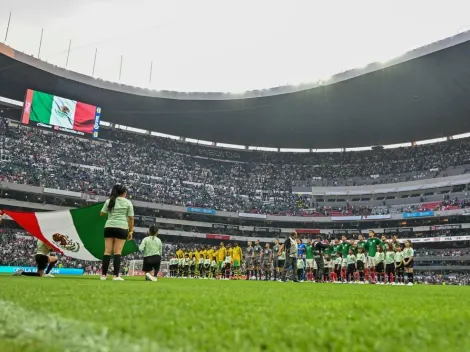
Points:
x=86, y=314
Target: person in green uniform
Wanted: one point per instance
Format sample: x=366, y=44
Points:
x=335, y=248
x=408, y=262
x=119, y=227
x=151, y=247
x=372, y=243
x=345, y=247
x=309, y=261
x=361, y=243
x=276, y=259
x=390, y=263
x=384, y=243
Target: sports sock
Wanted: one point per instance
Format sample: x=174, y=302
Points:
x=105, y=265
x=50, y=267
x=117, y=264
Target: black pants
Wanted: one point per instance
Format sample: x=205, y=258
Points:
x=350, y=272
x=320, y=267
x=152, y=263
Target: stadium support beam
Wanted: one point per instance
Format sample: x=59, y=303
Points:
x=40, y=43
x=94, y=63
x=8, y=28
x=68, y=53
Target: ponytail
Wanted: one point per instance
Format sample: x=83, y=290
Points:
x=117, y=191
x=153, y=230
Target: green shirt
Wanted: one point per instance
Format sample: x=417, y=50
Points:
x=372, y=244
x=151, y=245
x=300, y=263
x=361, y=257
x=390, y=257
x=379, y=257
x=408, y=253
x=363, y=245
x=398, y=257
x=345, y=246
x=309, y=250
x=282, y=256
x=351, y=259
x=335, y=248
x=119, y=216
x=42, y=248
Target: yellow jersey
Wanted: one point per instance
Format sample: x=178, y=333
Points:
x=179, y=253
x=196, y=253
x=203, y=253
x=237, y=253
x=222, y=252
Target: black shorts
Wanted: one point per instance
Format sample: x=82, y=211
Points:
x=116, y=232
x=360, y=265
x=390, y=268
x=42, y=261
x=351, y=268
x=410, y=264
x=399, y=269
x=280, y=263
x=151, y=263
x=379, y=268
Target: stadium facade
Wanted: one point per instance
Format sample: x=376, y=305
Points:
x=422, y=95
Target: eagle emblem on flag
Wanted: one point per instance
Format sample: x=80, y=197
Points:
x=64, y=242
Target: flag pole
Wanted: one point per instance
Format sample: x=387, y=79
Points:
x=94, y=63
x=68, y=53
x=120, y=68
x=151, y=68
x=40, y=43
x=8, y=28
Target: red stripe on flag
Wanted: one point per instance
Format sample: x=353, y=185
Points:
x=29, y=222
x=84, y=119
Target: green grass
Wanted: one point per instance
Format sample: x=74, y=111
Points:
x=79, y=314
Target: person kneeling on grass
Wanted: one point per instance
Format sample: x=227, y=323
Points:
x=152, y=248
x=44, y=259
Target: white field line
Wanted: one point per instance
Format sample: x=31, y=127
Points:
x=25, y=327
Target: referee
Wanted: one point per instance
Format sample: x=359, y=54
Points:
x=290, y=247
x=152, y=248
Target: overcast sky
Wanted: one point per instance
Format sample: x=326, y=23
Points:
x=224, y=45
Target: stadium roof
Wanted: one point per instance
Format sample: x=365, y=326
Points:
x=422, y=95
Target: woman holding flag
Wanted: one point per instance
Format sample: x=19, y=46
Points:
x=119, y=227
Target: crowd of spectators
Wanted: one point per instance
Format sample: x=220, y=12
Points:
x=164, y=171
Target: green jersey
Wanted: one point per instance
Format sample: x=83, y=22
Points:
x=363, y=245
x=351, y=259
x=384, y=246
x=335, y=248
x=327, y=251
x=309, y=252
x=42, y=248
x=151, y=245
x=119, y=215
x=379, y=257
x=345, y=246
x=390, y=257
x=361, y=257
x=372, y=244
x=398, y=257
x=300, y=264
x=282, y=256
x=408, y=252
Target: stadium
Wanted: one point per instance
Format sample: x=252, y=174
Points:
x=359, y=179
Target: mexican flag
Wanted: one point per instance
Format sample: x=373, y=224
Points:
x=57, y=111
x=77, y=233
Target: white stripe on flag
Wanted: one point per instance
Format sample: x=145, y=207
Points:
x=61, y=222
x=63, y=112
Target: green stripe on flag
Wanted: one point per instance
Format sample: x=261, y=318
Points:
x=90, y=227
x=41, y=107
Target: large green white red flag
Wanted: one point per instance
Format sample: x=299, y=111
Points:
x=77, y=233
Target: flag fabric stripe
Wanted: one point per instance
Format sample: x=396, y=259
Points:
x=41, y=107
x=84, y=119
x=77, y=233
x=63, y=112
x=29, y=222
x=61, y=223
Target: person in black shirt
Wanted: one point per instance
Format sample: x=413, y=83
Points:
x=290, y=247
